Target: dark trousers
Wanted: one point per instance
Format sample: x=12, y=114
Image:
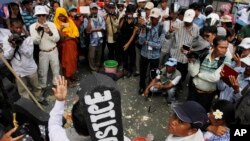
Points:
x=237, y=28
x=183, y=68
x=144, y=62
x=129, y=59
x=115, y=52
x=205, y=99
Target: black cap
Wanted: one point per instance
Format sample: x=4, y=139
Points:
x=191, y=112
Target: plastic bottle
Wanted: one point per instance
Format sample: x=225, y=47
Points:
x=150, y=137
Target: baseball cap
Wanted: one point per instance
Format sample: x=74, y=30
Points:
x=72, y=7
x=213, y=19
x=189, y=16
x=226, y=19
x=40, y=10
x=245, y=43
x=111, y=4
x=141, y=1
x=221, y=31
x=149, y=5
x=246, y=60
x=191, y=112
x=155, y=12
x=93, y=5
x=171, y=62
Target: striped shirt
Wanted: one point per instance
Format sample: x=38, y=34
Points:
x=209, y=73
x=182, y=35
x=28, y=19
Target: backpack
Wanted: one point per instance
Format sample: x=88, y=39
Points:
x=203, y=54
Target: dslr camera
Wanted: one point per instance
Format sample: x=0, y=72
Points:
x=17, y=39
x=40, y=29
x=21, y=130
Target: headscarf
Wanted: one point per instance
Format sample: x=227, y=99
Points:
x=71, y=30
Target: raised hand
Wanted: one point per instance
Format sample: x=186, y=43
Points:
x=60, y=92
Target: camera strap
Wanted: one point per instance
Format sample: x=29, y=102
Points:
x=111, y=25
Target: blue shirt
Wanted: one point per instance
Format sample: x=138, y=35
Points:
x=227, y=92
x=153, y=48
x=28, y=19
x=200, y=20
x=96, y=23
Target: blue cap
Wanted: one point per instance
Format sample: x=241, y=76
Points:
x=171, y=62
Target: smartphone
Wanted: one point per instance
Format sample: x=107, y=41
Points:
x=186, y=47
x=143, y=14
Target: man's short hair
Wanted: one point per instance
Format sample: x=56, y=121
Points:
x=15, y=20
x=218, y=39
x=195, y=6
x=210, y=29
x=78, y=118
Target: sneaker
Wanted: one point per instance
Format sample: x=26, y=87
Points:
x=136, y=74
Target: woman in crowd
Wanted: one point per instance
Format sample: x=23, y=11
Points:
x=67, y=45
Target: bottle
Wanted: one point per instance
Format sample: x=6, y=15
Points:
x=150, y=137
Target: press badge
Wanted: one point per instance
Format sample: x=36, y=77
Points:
x=150, y=48
x=99, y=34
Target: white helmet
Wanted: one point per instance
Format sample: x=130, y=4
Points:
x=212, y=19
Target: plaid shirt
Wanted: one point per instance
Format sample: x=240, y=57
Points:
x=97, y=23
x=153, y=48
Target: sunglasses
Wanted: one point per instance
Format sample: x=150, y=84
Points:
x=41, y=15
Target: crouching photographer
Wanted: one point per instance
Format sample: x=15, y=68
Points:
x=20, y=53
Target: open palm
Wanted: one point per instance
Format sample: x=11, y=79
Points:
x=60, y=92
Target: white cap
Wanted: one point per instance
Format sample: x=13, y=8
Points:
x=245, y=43
x=149, y=5
x=171, y=62
x=93, y=5
x=246, y=60
x=221, y=31
x=189, y=16
x=141, y=1
x=215, y=18
x=155, y=12
x=40, y=10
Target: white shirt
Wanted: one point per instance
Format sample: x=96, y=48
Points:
x=198, y=136
x=23, y=62
x=45, y=42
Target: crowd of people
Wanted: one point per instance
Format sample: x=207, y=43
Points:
x=160, y=42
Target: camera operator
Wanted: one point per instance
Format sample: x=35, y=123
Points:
x=94, y=25
x=150, y=38
x=21, y=57
x=45, y=34
x=112, y=25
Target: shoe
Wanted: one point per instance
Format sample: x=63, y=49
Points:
x=136, y=74
x=128, y=74
x=44, y=102
x=141, y=90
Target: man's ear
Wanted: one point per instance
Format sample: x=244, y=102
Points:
x=192, y=130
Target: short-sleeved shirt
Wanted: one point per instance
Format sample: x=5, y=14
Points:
x=245, y=31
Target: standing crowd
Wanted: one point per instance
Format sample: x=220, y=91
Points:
x=167, y=45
